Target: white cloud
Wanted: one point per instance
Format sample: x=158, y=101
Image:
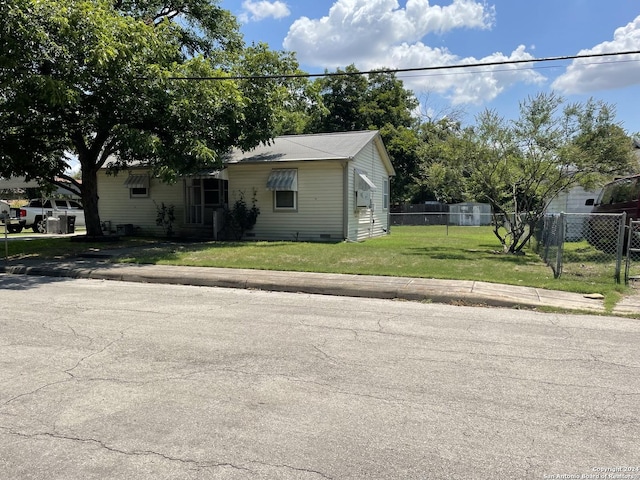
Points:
x=589, y=75
x=256, y=11
x=378, y=33
x=366, y=28
x=475, y=85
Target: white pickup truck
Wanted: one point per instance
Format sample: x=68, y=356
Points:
x=38, y=210
x=11, y=218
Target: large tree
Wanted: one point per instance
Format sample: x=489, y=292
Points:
x=441, y=173
x=349, y=100
x=118, y=79
x=519, y=166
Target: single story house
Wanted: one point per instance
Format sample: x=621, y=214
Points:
x=319, y=187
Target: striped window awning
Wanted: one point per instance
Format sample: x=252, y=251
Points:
x=363, y=182
x=137, y=181
x=283, y=179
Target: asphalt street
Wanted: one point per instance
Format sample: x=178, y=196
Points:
x=122, y=380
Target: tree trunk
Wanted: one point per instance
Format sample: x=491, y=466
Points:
x=90, y=198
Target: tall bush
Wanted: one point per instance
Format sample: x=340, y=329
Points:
x=241, y=217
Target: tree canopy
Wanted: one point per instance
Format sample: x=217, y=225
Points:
x=114, y=79
x=347, y=100
x=519, y=166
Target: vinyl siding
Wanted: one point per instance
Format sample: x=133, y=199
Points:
x=326, y=209
x=319, y=213
x=573, y=201
x=364, y=222
x=115, y=205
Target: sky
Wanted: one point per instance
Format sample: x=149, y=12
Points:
x=394, y=34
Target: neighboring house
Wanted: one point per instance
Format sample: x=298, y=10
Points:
x=574, y=201
x=18, y=185
x=322, y=187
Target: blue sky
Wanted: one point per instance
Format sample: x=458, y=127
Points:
x=327, y=34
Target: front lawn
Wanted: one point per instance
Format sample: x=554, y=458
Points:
x=463, y=253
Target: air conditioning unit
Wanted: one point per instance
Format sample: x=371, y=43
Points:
x=363, y=198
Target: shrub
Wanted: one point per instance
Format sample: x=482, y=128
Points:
x=165, y=218
x=241, y=218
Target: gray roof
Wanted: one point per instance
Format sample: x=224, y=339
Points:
x=321, y=146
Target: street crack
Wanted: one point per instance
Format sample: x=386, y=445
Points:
x=134, y=453
x=297, y=469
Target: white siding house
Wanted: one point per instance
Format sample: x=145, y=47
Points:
x=574, y=200
x=335, y=186
x=576, y=203
x=130, y=200
x=322, y=187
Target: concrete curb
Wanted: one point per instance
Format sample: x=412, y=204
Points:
x=403, y=288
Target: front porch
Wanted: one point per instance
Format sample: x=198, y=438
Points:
x=205, y=199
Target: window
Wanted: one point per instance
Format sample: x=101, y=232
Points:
x=285, y=199
x=139, y=192
x=215, y=192
x=284, y=184
x=385, y=193
x=138, y=186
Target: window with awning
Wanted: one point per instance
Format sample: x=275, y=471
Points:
x=363, y=187
x=138, y=185
x=284, y=184
x=283, y=180
x=363, y=182
x=137, y=181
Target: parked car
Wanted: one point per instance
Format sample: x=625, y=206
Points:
x=37, y=211
x=11, y=218
x=619, y=196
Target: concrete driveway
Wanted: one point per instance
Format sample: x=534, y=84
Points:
x=133, y=381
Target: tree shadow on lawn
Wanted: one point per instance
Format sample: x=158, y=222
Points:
x=171, y=251
x=446, y=253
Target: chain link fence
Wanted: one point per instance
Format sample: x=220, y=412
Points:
x=471, y=219
x=632, y=264
x=588, y=246
x=583, y=245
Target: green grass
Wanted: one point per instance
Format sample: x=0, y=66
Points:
x=39, y=246
x=463, y=253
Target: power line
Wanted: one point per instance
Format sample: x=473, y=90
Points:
x=406, y=70
x=497, y=70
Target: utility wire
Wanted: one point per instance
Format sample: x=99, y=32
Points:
x=415, y=69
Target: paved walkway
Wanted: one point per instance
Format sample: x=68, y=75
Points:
x=416, y=289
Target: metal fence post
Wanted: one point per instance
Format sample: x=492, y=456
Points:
x=560, y=242
x=545, y=238
x=619, y=250
x=633, y=247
